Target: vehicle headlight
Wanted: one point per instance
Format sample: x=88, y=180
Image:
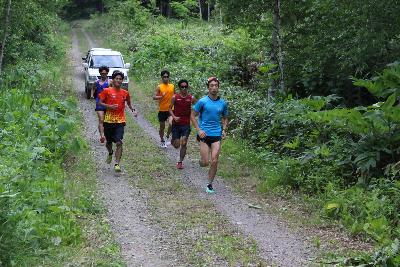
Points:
x=126, y=78
x=92, y=78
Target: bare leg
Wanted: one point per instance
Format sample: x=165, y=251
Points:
x=182, y=152
x=176, y=143
x=204, y=151
x=169, y=129
x=118, y=152
x=215, y=149
x=109, y=148
x=161, y=131
x=100, y=115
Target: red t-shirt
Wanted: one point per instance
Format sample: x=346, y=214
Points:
x=111, y=96
x=182, y=109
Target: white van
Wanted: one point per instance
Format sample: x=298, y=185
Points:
x=97, y=57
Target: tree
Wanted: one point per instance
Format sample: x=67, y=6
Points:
x=165, y=8
x=276, y=50
x=5, y=32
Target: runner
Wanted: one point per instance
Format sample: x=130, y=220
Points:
x=209, y=133
x=113, y=99
x=182, y=104
x=97, y=88
x=163, y=94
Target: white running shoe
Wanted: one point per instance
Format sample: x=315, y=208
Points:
x=167, y=141
x=163, y=144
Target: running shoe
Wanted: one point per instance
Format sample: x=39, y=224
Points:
x=102, y=139
x=163, y=144
x=210, y=189
x=109, y=158
x=167, y=141
x=179, y=165
x=117, y=168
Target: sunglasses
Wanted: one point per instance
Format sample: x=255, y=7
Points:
x=165, y=76
x=103, y=73
x=183, y=87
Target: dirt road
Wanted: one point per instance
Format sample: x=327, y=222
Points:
x=143, y=242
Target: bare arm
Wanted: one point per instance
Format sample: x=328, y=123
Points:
x=129, y=103
x=224, y=126
x=101, y=103
x=170, y=109
x=157, y=94
x=102, y=99
x=195, y=124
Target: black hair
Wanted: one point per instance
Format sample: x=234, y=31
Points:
x=116, y=73
x=182, y=81
x=104, y=68
x=164, y=72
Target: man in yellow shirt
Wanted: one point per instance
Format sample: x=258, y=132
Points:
x=163, y=94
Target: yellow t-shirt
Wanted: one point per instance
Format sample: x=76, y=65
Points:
x=168, y=89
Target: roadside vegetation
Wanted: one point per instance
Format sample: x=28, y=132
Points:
x=49, y=212
x=320, y=119
x=330, y=137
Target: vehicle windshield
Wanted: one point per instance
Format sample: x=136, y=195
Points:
x=109, y=61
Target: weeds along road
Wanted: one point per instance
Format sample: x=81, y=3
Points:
x=162, y=217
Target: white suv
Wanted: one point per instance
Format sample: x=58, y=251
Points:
x=97, y=57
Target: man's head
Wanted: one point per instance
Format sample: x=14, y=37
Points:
x=165, y=76
x=117, y=78
x=213, y=85
x=104, y=70
x=183, y=86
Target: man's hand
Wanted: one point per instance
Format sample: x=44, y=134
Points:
x=177, y=119
x=201, y=133
x=134, y=112
x=223, y=134
x=113, y=106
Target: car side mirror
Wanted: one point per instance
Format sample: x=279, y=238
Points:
x=85, y=65
x=127, y=65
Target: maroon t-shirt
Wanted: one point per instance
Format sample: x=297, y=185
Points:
x=182, y=109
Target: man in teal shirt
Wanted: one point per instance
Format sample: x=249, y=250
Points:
x=211, y=110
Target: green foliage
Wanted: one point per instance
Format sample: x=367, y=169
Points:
x=38, y=128
x=36, y=133
x=326, y=42
x=348, y=158
x=31, y=30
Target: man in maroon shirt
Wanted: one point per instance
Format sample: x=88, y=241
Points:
x=180, y=109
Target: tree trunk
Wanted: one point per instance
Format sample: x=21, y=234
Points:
x=208, y=11
x=164, y=8
x=203, y=9
x=276, y=52
x=3, y=42
x=200, y=14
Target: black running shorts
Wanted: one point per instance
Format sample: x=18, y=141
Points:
x=114, y=132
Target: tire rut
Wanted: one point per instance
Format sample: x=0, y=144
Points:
x=277, y=243
x=142, y=243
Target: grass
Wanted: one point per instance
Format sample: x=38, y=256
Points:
x=97, y=246
x=202, y=236
x=243, y=170
x=192, y=222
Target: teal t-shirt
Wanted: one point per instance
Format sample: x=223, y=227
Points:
x=211, y=112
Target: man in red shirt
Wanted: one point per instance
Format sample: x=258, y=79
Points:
x=182, y=106
x=113, y=99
